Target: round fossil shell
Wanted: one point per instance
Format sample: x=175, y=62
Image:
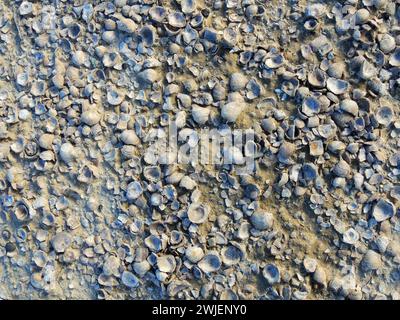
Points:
x=38, y=88
x=384, y=116
x=176, y=20
x=188, y=6
x=111, y=265
x=46, y=141
x=129, y=279
x=387, y=43
x=309, y=172
x=166, y=263
x=336, y=69
x=271, y=274
x=81, y=58
x=134, y=190
x=342, y=169
x=61, y=241
x=349, y=106
x=126, y=25
x=152, y=173
x=149, y=76
x=231, y=255
x=39, y=258
x=114, y=97
x=67, y=152
x=194, y=254
x=274, y=61
x=317, y=78
x=310, y=106
x=361, y=16
x=25, y=8
x=262, y=220
x=337, y=86
x=148, y=35
x=351, y=236
x=211, y=262
x=231, y=111
x=237, y=81
x=158, y=13
x=90, y=117
x=367, y=70
x=200, y=114
x=141, y=268
x=198, y=213
x=154, y=243
x=130, y=137
x=23, y=212
x=311, y=24
x=383, y=210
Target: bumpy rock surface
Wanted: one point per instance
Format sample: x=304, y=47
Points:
x=89, y=206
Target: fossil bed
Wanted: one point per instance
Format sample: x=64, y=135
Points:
x=86, y=210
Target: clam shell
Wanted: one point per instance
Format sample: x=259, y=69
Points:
x=211, y=262
x=61, y=241
x=384, y=116
x=176, y=20
x=309, y=172
x=198, y=213
x=148, y=35
x=134, y=190
x=166, y=263
x=67, y=152
x=152, y=173
x=351, y=236
x=130, y=137
x=383, y=210
x=200, y=114
x=231, y=111
x=115, y=97
x=342, y=169
x=188, y=6
x=90, y=117
x=194, y=254
x=154, y=243
x=129, y=279
x=262, y=220
x=337, y=86
x=387, y=43
x=149, y=76
x=274, y=61
x=237, y=81
x=271, y=274
x=317, y=78
x=231, y=255
x=23, y=211
x=158, y=14
x=349, y=106
x=310, y=106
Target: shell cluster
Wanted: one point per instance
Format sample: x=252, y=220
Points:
x=87, y=88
